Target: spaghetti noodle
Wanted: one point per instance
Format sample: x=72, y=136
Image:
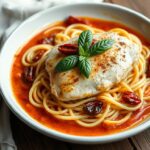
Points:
x=115, y=112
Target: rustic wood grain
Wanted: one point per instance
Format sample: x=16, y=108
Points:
x=138, y=5
x=142, y=140
x=121, y=145
x=28, y=139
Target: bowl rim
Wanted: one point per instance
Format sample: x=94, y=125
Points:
x=57, y=134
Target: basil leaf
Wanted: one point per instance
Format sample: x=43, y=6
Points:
x=101, y=46
x=85, y=39
x=84, y=66
x=83, y=52
x=86, y=47
x=67, y=63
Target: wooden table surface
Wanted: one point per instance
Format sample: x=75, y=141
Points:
x=28, y=139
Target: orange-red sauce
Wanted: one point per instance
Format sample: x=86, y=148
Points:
x=21, y=91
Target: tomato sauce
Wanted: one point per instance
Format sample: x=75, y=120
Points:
x=21, y=90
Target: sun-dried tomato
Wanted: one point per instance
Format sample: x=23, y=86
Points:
x=93, y=108
x=131, y=98
x=28, y=74
x=48, y=40
x=68, y=49
x=72, y=20
x=148, y=68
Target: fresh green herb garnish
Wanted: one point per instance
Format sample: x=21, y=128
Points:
x=85, y=39
x=67, y=63
x=101, y=46
x=84, y=66
x=86, y=50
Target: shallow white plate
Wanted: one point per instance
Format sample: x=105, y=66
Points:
x=32, y=25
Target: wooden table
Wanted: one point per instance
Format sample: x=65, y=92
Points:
x=28, y=139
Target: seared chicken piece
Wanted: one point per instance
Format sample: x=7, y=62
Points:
x=108, y=68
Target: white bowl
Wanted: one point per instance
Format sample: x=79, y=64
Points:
x=32, y=25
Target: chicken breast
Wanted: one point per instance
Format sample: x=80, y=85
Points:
x=108, y=69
